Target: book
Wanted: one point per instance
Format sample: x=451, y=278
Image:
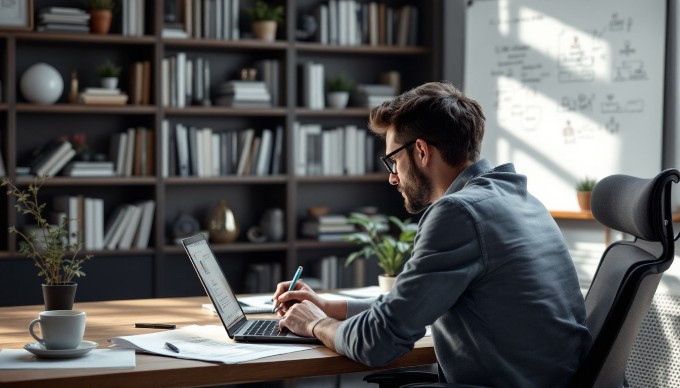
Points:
x=131, y=225
x=246, y=143
x=141, y=240
x=57, y=160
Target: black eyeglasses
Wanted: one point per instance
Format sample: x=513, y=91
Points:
x=391, y=164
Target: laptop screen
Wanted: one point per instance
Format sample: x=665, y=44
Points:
x=214, y=281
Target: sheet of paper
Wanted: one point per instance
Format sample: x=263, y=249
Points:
x=97, y=358
x=205, y=343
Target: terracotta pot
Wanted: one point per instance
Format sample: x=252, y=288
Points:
x=265, y=30
x=584, y=199
x=100, y=21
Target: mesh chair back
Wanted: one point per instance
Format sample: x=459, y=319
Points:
x=629, y=271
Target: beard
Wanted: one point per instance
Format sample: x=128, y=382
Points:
x=416, y=189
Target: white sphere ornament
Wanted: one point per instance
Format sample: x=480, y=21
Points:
x=42, y=84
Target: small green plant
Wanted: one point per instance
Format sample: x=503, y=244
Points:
x=56, y=259
x=100, y=4
x=391, y=251
x=108, y=69
x=586, y=184
x=263, y=11
x=340, y=83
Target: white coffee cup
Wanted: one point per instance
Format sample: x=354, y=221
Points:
x=61, y=329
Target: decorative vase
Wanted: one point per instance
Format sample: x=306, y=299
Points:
x=584, y=199
x=222, y=225
x=337, y=100
x=109, y=82
x=59, y=296
x=272, y=224
x=265, y=30
x=100, y=21
x=386, y=282
x=41, y=84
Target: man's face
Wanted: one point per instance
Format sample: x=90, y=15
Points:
x=413, y=184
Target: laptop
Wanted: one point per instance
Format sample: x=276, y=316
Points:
x=239, y=328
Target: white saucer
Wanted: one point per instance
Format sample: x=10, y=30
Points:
x=39, y=350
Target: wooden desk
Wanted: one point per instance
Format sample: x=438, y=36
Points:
x=116, y=318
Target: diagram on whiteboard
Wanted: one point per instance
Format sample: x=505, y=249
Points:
x=568, y=88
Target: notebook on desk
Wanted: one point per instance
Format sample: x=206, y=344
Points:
x=226, y=305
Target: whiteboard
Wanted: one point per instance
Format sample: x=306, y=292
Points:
x=569, y=88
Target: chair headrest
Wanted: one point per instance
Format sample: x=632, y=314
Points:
x=633, y=205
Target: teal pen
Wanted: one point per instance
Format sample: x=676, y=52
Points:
x=292, y=285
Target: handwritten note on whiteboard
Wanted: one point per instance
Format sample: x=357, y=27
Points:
x=570, y=88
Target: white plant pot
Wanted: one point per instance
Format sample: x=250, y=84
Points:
x=110, y=82
x=337, y=100
x=386, y=282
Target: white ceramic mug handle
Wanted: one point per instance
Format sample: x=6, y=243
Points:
x=30, y=330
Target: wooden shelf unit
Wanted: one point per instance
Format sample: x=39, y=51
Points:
x=162, y=270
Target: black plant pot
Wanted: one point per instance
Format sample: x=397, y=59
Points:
x=59, y=296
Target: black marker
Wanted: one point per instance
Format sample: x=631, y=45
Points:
x=172, y=347
x=154, y=325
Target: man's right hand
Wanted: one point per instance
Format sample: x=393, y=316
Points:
x=336, y=309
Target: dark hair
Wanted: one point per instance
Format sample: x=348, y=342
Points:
x=438, y=113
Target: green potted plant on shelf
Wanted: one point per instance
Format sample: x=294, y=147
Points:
x=584, y=188
x=338, y=89
x=265, y=18
x=101, y=13
x=109, y=73
x=53, y=251
x=391, y=250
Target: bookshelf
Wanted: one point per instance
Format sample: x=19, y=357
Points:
x=162, y=269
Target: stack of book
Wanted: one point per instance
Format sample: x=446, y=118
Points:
x=252, y=94
x=63, y=19
x=89, y=169
x=372, y=95
x=330, y=227
x=103, y=96
x=51, y=158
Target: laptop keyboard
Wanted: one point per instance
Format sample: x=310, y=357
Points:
x=265, y=328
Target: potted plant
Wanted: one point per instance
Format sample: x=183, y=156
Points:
x=338, y=89
x=392, y=251
x=109, y=73
x=584, y=188
x=101, y=13
x=49, y=246
x=265, y=19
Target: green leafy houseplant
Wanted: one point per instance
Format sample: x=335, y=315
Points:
x=586, y=184
x=56, y=259
x=391, y=251
x=100, y=4
x=340, y=83
x=263, y=11
x=108, y=69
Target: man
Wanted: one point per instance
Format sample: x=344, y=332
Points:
x=490, y=271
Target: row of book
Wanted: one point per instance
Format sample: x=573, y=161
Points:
x=208, y=19
x=244, y=94
x=129, y=226
x=63, y=19
x=186, y=81
x=204, y=152
x=132, y=152
x=351, y=23
x=132, y=20
x=340, y=150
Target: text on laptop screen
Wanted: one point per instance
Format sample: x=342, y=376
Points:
x=214, y=280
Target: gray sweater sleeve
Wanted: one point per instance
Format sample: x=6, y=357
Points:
x=442, y=263
x=355, y=306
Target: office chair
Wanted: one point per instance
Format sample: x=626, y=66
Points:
x=625, y=281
